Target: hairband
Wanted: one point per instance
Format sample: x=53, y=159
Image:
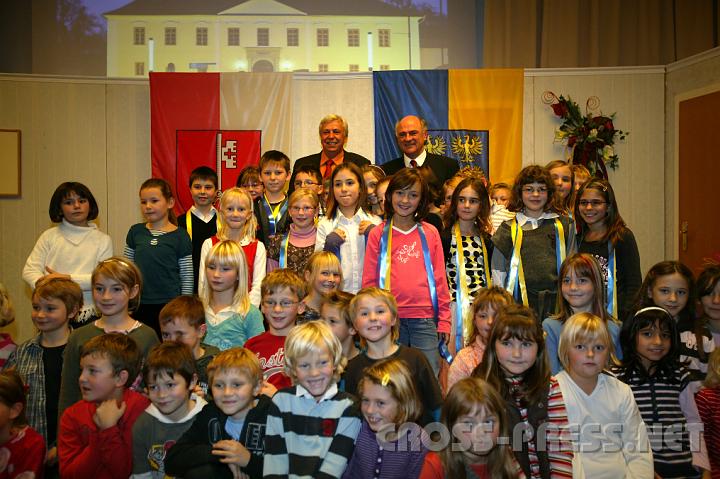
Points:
x=385, y=379
x=651, y=308
x=116, y=260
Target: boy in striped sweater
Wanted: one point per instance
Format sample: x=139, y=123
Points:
x=311, y=427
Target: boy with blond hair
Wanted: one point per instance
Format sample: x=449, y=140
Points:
x=183, y=320
x=169, y=373
x=311, y=427
x=281, y=292
x=95, y=436
x=227, y=437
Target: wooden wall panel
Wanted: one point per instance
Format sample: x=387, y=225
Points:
x=637, y=96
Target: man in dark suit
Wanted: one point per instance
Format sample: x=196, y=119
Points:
x=411, y=133
x=333, y=137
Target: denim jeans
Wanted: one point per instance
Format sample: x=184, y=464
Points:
x=421, y=333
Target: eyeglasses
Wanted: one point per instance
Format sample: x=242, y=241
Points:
x=300, y=184
x=282, y=304
x=592, y=203
x=304, y=209
x=530, y=190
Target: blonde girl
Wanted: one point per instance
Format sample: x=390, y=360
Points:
x=580, y=290
x=467, y=249
x=484, y=309
x=524, y=261
x=372, y=175
x=405, y=257
x=293, y=248
x=23, y=448
x=73, y=248
x=238, y=223
x=117, y=285
x=162, y=252
x=477, y=425
x=708, y=404
x=595, y=400
x=515, y=364
x=323, y=275
x=387, y=446
x=231, y=319
x=344, y=229
x=562, y=175
x=581, y=175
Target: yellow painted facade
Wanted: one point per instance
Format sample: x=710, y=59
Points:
x=260, y=36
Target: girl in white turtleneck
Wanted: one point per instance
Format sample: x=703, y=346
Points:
x=74, y=247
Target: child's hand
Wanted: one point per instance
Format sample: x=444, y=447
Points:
x=108, y=414
x=51, y=456
x=231, y=452
x=268, y=389
x=198, y=391
x=341, y=233
x=364, y=224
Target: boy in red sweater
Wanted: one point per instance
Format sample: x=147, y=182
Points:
x=95, y=438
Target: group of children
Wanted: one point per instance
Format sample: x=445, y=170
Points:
x=470, y=332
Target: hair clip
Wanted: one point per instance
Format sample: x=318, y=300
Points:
x=385, y=379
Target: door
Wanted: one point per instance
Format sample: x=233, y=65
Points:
x=699, y=152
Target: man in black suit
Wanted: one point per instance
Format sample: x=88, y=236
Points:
x=333, y=137
x=411, y=133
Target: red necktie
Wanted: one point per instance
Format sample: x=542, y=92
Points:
x=329, y=167
x=413, y=163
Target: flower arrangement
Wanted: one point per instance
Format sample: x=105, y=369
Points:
x=590, y=137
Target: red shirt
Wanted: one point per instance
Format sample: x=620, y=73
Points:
x=24, y=453
x=270, y=350
x=86, y=452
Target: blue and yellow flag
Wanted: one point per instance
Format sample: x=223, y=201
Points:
x=478, y=114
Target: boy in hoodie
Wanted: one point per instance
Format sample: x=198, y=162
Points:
x=170, y=376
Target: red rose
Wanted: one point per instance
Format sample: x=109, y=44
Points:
x=609, y=125
x=560, y=109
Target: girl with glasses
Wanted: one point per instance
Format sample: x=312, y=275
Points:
x=293, y=249
x=604, y=234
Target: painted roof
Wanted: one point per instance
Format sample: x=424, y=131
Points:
x=214, y=7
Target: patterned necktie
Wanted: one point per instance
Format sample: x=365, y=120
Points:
x=329, y=167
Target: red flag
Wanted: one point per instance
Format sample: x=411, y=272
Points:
x=225, y=151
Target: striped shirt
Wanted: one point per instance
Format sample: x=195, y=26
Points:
x=557, y=441
x=658, y=399
x=306, y=438
x=708, y=403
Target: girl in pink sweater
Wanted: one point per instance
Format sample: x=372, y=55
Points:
x=404, y=256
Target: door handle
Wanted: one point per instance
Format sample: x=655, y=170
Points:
x=683, y=234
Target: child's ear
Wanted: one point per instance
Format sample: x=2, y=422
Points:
x=649, y=292
x=307, y=276
x=134, y=291
x=258, y=387
x=171, y=203
x=352, y=330
x=15, y=410
x=73, y=313
x=121, y=378
x=202, y=329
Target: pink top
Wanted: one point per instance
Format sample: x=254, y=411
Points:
x=408, y=278
x=465, y=362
